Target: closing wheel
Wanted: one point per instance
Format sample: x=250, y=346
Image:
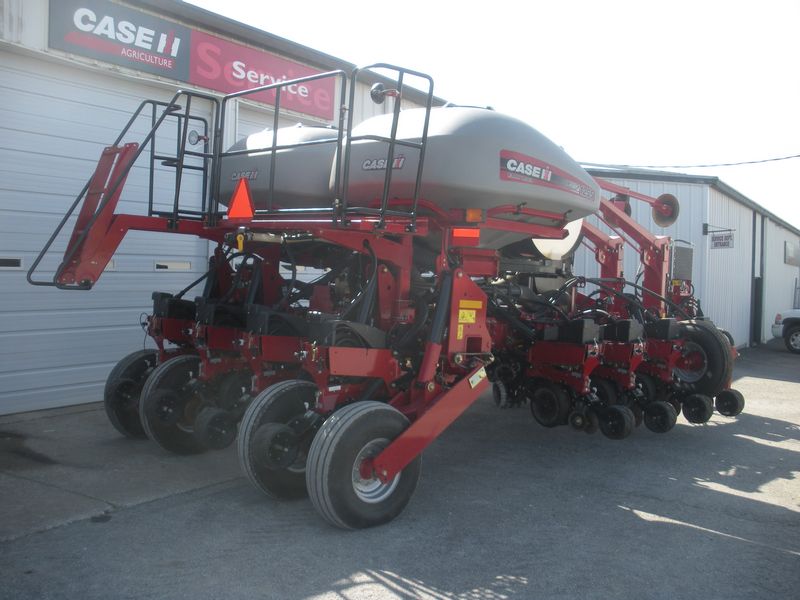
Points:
x=660, y=416
x=169, y=405
x=550, y=405
x=729, y=403
x=706, y=364
x=263, y=450
x=215, y=428
x=122, y=391
x=697, y=408
x=616, y=422
x=343, y=494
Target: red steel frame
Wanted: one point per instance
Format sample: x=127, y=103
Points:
x=452, y=374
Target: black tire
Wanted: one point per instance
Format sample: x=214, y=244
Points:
x=708, y=364
x=616, y=422
x=648, y=386
x=729, y=403
x=550, y=405
x=697, y=408
x=215, y=428
x=674, y=400
x=279, y=403
x=660, y=416
x=728, y=335
x=123, y=389
x=606, y=391
x=500, y=394
x=168, y=406
x=791, y=337
x=336, y=489
x=231, y=388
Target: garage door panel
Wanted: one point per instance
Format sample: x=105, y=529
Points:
x=58, y=317
x=56, y=346
x=28, y=233
x=39, y=398
x=39, y=351
x=133, y=293
x=57, y=378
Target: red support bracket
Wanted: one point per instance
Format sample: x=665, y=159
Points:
x=409, y=444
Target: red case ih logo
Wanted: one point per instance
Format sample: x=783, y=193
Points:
x=527, y=169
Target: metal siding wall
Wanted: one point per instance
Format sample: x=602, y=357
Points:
x=56, y=347
x=693, y=200
x=779, y=278
x=728, y=293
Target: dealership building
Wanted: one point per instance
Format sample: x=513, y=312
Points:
x=71, y=74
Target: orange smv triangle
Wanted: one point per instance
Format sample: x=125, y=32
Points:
x=241, y=206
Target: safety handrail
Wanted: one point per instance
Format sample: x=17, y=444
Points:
x=110, y=192
x=219, y=154
x=391, y=140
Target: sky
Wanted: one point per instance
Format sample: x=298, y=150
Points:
x=611, y=81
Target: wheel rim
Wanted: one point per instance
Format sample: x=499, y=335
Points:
x=794, y=340
x=166, y=408
x=280, y=448
x=693, y=364
x=372, y=490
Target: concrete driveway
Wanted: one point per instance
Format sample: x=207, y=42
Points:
x=504, y=509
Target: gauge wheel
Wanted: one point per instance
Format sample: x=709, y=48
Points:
x=169, y=405
x=215, y=428
x=606, y=391
x=123, y=389
x=647, y=384
x=266, y=439
x=340, y=490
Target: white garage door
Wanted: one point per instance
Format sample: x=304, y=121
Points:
x=56, y=346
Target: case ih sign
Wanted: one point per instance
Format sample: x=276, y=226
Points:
x=130, y=38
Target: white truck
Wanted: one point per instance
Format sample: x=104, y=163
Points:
x=787, y=326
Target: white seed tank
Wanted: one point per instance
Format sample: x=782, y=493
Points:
x=474, y=158
x=301, y=172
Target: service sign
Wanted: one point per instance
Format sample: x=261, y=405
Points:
x=123, y=36
x=722, y=240
x=228, y=67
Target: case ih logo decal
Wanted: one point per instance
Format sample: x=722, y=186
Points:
x=251, y=175
x=379, y=164
x=120, y=35
x=127, y=33
x=526, y=169
x=130, y=38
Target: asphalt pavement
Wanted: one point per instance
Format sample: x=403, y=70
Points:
x=504, y=509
